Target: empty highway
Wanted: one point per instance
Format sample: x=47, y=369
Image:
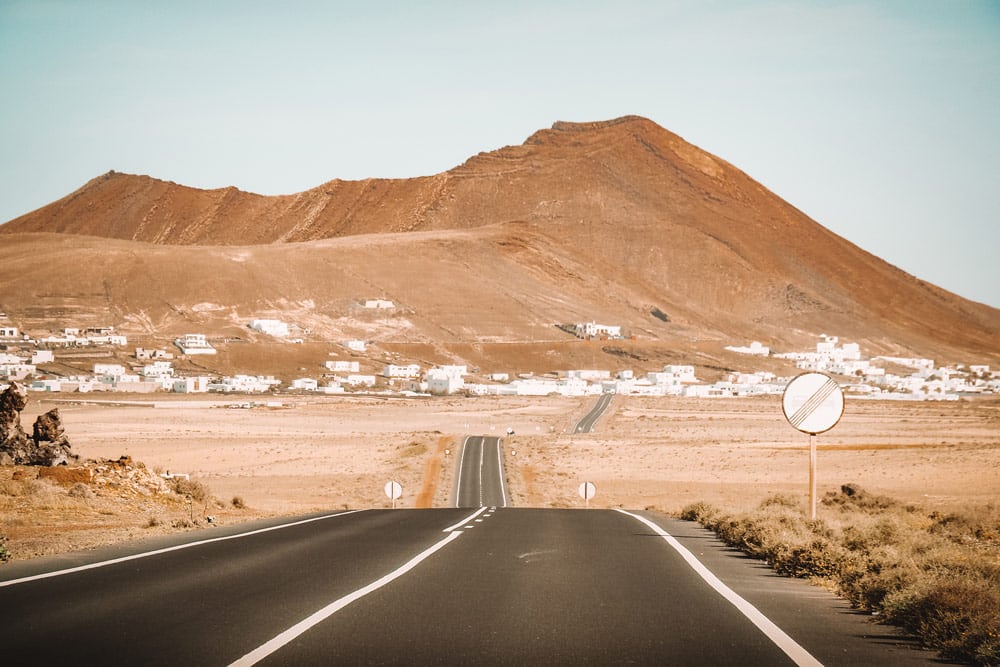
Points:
x=480, y=479
x=447, y=586
x=586, y=425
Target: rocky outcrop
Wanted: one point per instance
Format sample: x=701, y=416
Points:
x=12, y=436
x=48, y=444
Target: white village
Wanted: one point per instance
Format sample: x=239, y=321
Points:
x=24, y=358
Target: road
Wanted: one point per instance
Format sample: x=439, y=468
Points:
x=481, y=480
x=446, y=586
x=586, y=425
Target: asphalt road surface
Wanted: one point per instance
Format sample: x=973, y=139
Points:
x=481, y=481
x=586, y=425
x=446, y=586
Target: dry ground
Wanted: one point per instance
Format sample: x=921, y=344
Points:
x=329, y=452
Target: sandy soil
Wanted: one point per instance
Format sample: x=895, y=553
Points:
x=318, y=453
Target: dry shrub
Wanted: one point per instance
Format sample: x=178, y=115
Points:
x=186, y=487
x=238, y=502
x=937, y=576
x=80, y=491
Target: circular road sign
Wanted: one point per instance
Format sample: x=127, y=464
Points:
x=813, y=403
x=394, y=490
x=587, y=490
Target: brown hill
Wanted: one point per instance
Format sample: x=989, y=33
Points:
x=604, y=221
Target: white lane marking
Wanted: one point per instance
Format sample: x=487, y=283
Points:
x=503, y=487
x=465, y=521
x=145, y=554
x=266, y=649
x=482, y=465
x=792, y=649
x=461, y=467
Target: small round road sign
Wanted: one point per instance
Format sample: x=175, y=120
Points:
x=813, y=403
x=587, y=490
x=394, y=490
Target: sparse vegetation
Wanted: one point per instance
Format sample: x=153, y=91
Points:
x=198, y=492
x=238, y=502
x=937, y=576
x=4, y=553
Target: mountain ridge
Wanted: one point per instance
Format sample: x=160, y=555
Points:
x=582, y=221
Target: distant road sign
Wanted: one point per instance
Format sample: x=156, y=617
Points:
x=587, y=490
x=394, y=490
x=813, y=403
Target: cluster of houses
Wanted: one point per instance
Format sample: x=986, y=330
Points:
x=154, y=371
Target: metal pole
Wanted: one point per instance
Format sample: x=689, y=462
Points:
x=812, y=476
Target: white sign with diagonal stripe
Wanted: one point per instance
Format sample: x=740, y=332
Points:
x=813, y=403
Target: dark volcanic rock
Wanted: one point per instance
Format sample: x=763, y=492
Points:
x=48, y=445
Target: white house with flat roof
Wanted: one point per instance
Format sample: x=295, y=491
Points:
x=275, y=328
x=194, y=344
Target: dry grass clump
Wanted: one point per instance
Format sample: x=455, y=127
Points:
x=198, y=492
x=937, y=576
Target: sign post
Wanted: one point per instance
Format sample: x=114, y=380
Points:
x=587, y=491
x=813, y=403
x=394, y=490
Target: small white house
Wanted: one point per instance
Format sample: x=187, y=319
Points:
x=408, y=371
x=109, y=370
x=379, y=304
x=158, y=369
x=595, y=330
x=441, y=381
x=275, y=328
x=305, y=384
x=42, y=357
x=360, y=380
x=343, y=366
x=194, y=344
x=356, y=345
x=8, y=332
x=190, y=385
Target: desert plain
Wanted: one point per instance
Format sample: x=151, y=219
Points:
x=319, y=453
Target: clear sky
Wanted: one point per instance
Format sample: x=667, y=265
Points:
x=880, y=120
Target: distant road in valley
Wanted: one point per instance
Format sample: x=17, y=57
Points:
x=586, y=425
x=444, y=586
x=481, y=480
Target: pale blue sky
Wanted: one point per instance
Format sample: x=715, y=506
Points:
x=877, y=119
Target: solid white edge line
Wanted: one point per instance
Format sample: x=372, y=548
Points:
x=791, y=648
x=461, y=464
x=304, y=625
x=500, y=471
x=465, y=520
x=145, y=554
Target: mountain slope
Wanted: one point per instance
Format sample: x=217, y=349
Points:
x=602, y=221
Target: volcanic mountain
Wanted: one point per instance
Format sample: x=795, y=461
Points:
x=621, y=222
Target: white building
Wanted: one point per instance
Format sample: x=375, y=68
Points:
x=356, y=380
x=275, y=328
x=588, y=375
x=342, y=366
x=42, y=357
x=683, y=373
x=595, y=330
x=305, y=384
x=408, y=371
x=356, y=345
x=755, y=348
x=109, y=370
x=8, y=332
x=192, y=344
x=379, y=304
x=247, y=384
x=142, y=354
x=190, y=385
x=444, y=381
x=158, y=369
